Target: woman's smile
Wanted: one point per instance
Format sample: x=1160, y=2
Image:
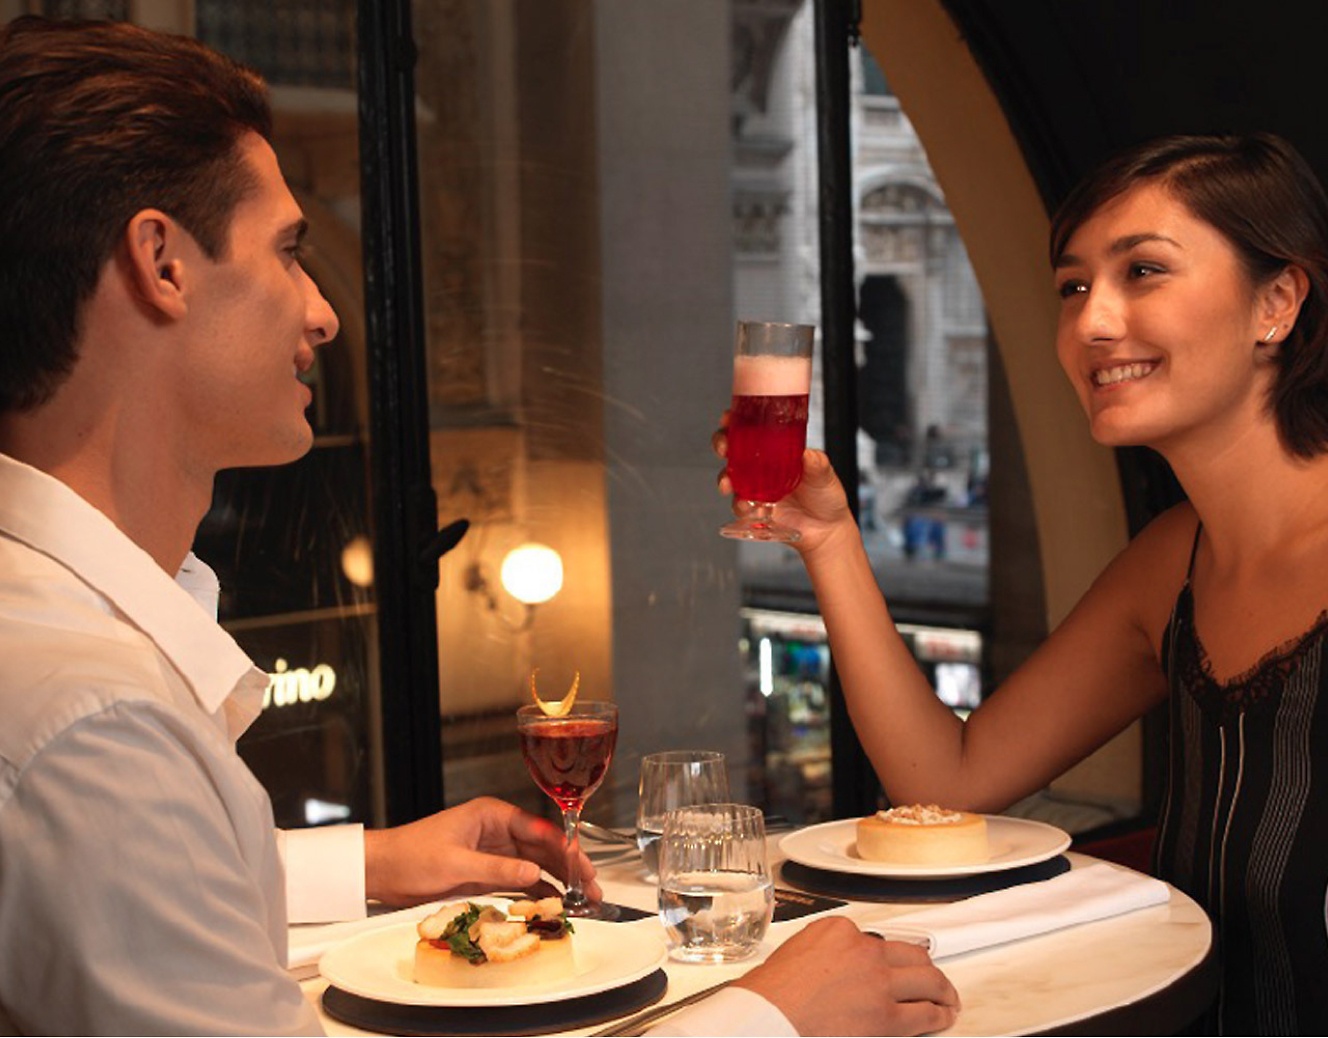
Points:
x=1119, y=373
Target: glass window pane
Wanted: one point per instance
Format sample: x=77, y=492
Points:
x=589, y=240
x=292, y=545
x=578, y=240
x=921, y=376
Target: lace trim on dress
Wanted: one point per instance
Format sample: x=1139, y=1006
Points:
x=1262, y=683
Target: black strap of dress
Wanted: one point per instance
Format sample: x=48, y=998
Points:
x=1169, y=635
x=1194, y=551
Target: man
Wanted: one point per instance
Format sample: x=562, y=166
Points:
x=154, y=320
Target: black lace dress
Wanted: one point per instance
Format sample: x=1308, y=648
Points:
x=1244, y=829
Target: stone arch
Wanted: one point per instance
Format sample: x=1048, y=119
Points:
x=911, y=185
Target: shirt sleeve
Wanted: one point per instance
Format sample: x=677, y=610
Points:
x=140, y=887
x=324, y=873
x=735, y=1012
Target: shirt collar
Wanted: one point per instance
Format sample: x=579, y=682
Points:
x=179, y=615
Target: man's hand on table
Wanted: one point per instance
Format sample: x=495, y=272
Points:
x=482, y=845
x=831, y=978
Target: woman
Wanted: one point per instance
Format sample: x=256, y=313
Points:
x=1193, y=277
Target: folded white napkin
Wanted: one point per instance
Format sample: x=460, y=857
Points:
x=1078, y=896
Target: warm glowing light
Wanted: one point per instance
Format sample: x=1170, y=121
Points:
x=357, y=562
x=532, y=573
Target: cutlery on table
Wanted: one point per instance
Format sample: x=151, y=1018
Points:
x=602, y=834
x=635, y=1025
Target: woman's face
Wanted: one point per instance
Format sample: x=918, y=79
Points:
x=1158, y=325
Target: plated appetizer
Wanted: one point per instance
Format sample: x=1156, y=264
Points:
x=469, y=945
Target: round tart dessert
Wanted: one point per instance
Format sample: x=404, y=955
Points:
x=923, y=834
x=471, y=946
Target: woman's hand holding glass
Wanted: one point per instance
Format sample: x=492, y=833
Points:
x=815, y=508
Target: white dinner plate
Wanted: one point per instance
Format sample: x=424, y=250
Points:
x=380, y=965
x=1014, y=842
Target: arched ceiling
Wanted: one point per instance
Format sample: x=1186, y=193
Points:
x=1080, y=78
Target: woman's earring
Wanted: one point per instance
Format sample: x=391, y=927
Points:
x=1271, y=332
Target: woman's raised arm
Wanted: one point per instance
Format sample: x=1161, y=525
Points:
x=1096, y=673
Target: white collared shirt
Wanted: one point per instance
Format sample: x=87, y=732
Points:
x=141, y=889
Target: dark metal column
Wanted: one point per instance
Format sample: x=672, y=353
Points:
x=404, y=507
x=836, y=26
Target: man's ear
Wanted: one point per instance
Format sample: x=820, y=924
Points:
x=155, y=261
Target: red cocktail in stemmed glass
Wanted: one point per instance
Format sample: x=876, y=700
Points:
x=568, y=756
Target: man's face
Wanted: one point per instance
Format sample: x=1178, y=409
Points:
x=255, y=318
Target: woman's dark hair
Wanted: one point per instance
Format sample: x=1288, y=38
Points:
x=1260, y=194
x=99, y=121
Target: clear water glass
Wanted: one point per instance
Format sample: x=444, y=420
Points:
x=673, y=779
x=716, y=896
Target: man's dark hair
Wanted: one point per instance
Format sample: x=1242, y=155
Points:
x=1263, y=197
x=99, y=121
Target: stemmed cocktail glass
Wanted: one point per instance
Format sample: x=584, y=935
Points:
x=567, y=756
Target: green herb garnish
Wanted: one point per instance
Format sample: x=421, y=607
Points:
x=457, y=935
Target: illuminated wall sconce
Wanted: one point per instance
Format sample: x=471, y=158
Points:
x=357, y=561
x=531, y=573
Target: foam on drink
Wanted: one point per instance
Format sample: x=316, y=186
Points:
x=771, y=376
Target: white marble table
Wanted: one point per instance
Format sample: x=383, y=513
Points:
x=1136, y=973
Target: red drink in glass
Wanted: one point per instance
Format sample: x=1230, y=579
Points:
x=767, y=430
x=568, y=754
x=568, y=759
x=767, y=435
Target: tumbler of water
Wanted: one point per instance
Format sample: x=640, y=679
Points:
x=716, y=896
x=673, y=779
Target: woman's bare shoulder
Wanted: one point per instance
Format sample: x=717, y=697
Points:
x=1151, y=569
x=1173, y=529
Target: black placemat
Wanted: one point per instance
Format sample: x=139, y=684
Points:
x=796, y=904
x=878, y=888
x=628, y=914
x=565, y=1015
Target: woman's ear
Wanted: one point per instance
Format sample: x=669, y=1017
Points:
x=1280, y=301
x=155, y=266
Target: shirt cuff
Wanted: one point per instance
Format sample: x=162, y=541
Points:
x=324, y=873
x=739, y=1012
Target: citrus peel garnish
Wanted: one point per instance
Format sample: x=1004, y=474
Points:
x=555, y=707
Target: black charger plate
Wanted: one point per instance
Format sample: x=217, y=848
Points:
x=857, y=887
x=565, y=1015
